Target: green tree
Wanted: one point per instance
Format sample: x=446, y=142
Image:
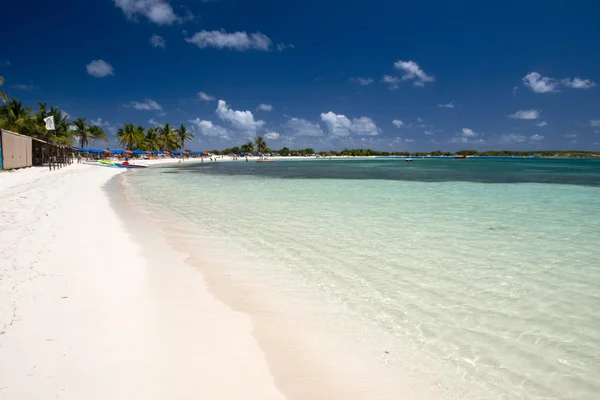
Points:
x=261, y=145
x=82, y=130
x=97, y=133
x=151, y=140
x=15, y=117
x=167, y=137
x=183, y=135
x=129, y=136
x=248, y=147
x=3, y=94
x=284, y=152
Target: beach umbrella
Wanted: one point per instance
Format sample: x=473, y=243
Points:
x=107, y=152
x=128, y=152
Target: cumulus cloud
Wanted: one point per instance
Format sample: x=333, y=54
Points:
x=242, y=120
x=595, y=123
x=398, y=123
x=539, y=84
x=301, y=127
x=542, y=123
x=412, y=71
x=146, y=105
x=99, y=69
x=578, y=83
x=158, y=41
x=205, y=97
x=536, y=138
x=240, y=41
x=392, y=81
x=264, y=107
x=208, y=129
x=158, y=11
x=272, y=135
x=467, y=135
x=448, y=105
x=153, y=122
x=571, y=135
x=428, y=132
x=526, y=114
x=362, y=81
x=341, y=126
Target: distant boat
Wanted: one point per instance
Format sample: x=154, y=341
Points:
x=408, y=159
x=460, y=156
x=264, y=159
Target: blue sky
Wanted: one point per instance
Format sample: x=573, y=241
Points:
x=329, y=74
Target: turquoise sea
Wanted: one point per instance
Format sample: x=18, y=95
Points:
x=478, y=274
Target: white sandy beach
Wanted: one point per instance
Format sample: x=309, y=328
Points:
x=85, y=313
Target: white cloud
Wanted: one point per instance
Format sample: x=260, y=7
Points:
x=240, y=41
x=542, y=123
x=515, y=88
x=205, y=97
x=412, y=71
x=302, y=127
x=392, y=81
x=207, y=128
x=398, y=123
x=526, y=114
x=146, y=105
x=243, y=120
x=578, y=83
x=5, y=63
x=448, y=105
x=467, y=135
x=595, y=123
x=158, y=11
x=362, y=81
x=536, y=138
x=153, y=122
x=510, y=138
x=265, y=107
x=23, y=86
x=282, y=46
x=428, y=132
x=158, y=41
x=99, y=69
x=539, y=84
x=571, y=135
x=272, y=135
x=466, y=132
x=99, y=122
x=341, y=126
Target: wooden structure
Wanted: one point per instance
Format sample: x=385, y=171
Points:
x=15, y=150
x=20, y=151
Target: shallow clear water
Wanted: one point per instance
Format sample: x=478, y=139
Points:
x=499, y=281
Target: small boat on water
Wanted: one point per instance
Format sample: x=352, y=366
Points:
x=460, y=156
x=264, y=159
x=127, y=164
x=408, y=159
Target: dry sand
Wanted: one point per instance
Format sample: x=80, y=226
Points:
x=87, y=313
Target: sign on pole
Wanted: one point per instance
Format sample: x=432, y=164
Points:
x=49, y=123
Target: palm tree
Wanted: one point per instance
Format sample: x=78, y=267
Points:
x=64, y=133
x=151, y=141
x=248, y=147
x=83, y=131
x=261, y=145
x=97, y=133
x=3, y=94
x=183, y=135
x=167, y=137
x=128, y=135
x=15, y=117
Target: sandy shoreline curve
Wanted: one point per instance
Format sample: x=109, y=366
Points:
x=88, y=313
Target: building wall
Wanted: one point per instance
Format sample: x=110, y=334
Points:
x=16, y=150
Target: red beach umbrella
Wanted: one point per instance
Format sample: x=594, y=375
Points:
x=107, y=152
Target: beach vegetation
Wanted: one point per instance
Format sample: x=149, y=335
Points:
x=3, y=95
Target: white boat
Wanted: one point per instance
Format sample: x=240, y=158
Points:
x=408, y=159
